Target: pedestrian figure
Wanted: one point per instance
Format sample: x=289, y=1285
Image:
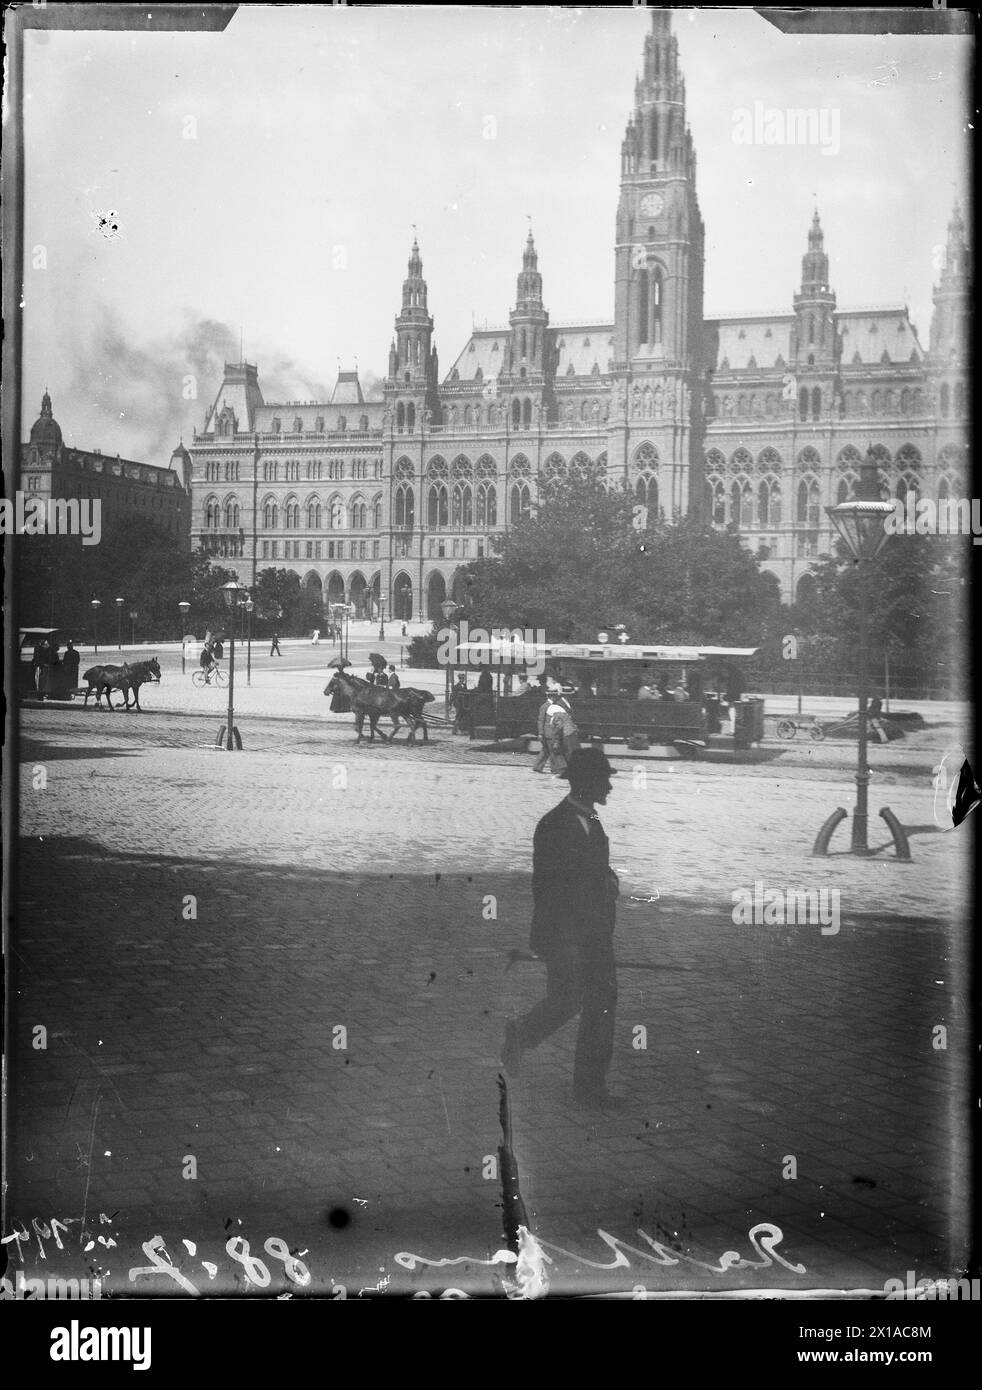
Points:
x=45, y=658
x=540, y=763
x=575, y=895
x=37, y=661
x=70, y=662
x=404, y=629
x=381, y=678
x=459, y=701
x=274, y=649
x=561, y=735
x=315, y=639
x=394, y=681
x=485, y=682
x=370, y=675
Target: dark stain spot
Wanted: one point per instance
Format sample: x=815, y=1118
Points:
x=338, y=1218
x=432, y=977
x=864, y=1182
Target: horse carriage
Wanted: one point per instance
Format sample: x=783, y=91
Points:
x=374, y=702
x=103, y=680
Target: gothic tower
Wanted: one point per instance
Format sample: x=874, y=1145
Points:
x=658, y=304
x=527, y=368
x=952, y=295
x=814, y=346
x=412, y=384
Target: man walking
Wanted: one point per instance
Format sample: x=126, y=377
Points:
x=575, y=892
x=274, y=647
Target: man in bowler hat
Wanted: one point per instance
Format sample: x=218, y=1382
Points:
x=575, y=893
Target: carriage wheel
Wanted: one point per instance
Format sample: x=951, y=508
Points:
x=816, y=732
x=786, y=728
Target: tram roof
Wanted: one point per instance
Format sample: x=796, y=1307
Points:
x=600, y=651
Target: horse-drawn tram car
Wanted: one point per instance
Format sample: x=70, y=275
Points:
x=645, y=696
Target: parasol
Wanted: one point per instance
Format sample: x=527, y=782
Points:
x=377, y=660
x=339, y=661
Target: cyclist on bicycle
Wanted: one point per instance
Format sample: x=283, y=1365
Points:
x=210, y=655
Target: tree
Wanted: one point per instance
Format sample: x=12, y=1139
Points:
x=580, y=564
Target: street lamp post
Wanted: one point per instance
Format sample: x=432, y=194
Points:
x=249, y=606
x=449, y=607
x=119, y=624
x=185, y=608
x=231, y=592
x=96, y=605
x=861, y=524
x=133, y=617
x=381, y=617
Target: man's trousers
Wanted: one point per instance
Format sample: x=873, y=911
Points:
x=579, y=980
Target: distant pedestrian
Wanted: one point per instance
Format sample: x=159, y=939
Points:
x=459, y=704
x=575, y=894
x=394, y=681
x=404, y=629
x=315, y=639
x=485, y=683
x=274, y=649
x=70, y=662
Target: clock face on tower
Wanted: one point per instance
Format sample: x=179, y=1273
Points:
x=652, y=205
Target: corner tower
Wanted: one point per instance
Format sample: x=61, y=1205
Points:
x=411, y=386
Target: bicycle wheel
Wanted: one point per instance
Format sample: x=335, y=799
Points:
x=198, y=678
x=816, y=732
x=786, y=728
x=221, y=679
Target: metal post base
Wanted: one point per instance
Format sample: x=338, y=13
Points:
x=900, y=841
x=236, y=739
x=827, y=831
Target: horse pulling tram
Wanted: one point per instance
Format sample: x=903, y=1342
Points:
x=641, y=695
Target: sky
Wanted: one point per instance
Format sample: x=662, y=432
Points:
x=266, y=182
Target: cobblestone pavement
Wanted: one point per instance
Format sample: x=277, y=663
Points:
x=194, y=1084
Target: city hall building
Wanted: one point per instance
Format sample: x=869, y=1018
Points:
x=755, y=423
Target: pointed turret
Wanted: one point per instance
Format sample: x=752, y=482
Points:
x=412, y=386
x=952, y=294
x=813, y=342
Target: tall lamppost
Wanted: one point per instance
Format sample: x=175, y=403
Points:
x=231, y=592
x=133, y=617
x=119, y=624
x=860, y=523
x=249, y=606
x=185, y=608
x=381, y=617
x=96, y=605
x=450, y=608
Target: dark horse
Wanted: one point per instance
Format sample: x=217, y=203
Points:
x=377, y=701
x=103, y=679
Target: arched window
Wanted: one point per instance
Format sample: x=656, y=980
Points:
x=959, y=398
x=377, y=514
x=644, y=297
x=809, y=503
x=462, y=506
x=945, y=399
x=400, y=418
x=816, y=403
x=646, y=492
x=803, y=403
x=270, y=518
x=521, y=503
x=656, y=297
x=487, y=504
x=516, y=412
x=342, y=423
x=769, y=503
x=212, y=514
x=313, y=516
x=437, y=506
x=742, y=503
x=231, y=515
x=468, y=417
x=359, y=514
x=337, y=514
x=526, y=412
x=410, y=418
x=291, y=514
x=405, y=505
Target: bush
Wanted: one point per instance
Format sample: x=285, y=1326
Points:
x=423, y=650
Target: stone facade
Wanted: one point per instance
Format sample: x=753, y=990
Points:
x=755, y=422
